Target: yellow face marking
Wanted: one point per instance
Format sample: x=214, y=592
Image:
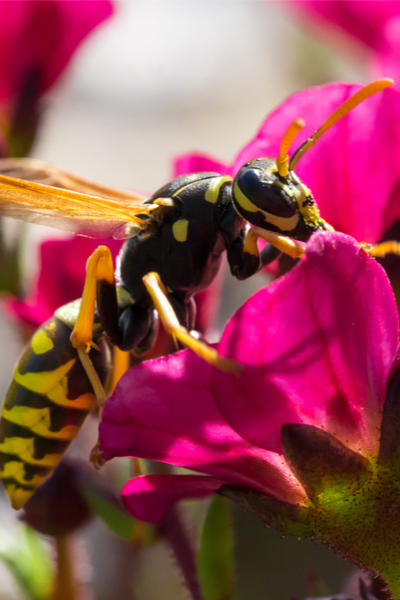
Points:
x=24, y=448
x=15, y=469
x=43, y=383
x=282, y=223
x=180, y=230
x=38, y=421
x=214, y=187
x=18, y=496
x=41, y=343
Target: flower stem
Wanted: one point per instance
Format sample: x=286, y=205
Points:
x=64, y=584
x=175, y=531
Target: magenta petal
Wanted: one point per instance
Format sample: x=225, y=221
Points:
x=345, y=159
x=148, y=498
x=363, y=20
x=164, y=410
x=61, y=278
x=317, y=346
x=42, y=36
x=195, y=163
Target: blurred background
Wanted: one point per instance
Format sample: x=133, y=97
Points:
x=158, y=79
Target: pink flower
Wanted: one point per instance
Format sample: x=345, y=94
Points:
x=316, y=346
x=352, y=170
x=375, y=23
x=41, y=38
x=37, y=41
x=61, y=278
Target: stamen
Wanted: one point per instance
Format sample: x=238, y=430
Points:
x=344, y=109
x=287, y=140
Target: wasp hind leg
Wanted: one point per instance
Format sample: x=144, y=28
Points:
x=172, y=325
x=382, y=249
x=99, y=276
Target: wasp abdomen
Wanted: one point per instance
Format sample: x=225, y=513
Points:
x=45, y=406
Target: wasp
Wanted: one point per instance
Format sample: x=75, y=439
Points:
x=174, y=243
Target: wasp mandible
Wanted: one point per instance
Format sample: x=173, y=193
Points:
x=174, y=243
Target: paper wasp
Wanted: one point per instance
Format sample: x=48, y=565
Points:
x=175, y=240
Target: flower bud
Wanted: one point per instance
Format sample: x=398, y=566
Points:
x=58, y=507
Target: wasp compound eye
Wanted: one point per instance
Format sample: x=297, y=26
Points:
x=266, y=193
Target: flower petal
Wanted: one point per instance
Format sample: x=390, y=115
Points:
x=149, y=498
x=61, y=278
x=317, y=346
x=195, y=163
x=363, y=20
x=164, y=410
x=42, y=36
x=345, y=159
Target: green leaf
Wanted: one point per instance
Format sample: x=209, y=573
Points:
x=215, y=561
x=114, y=516
x=27, y=558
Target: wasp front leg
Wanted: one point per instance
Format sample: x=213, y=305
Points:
x=172, y=325
x=245, y=258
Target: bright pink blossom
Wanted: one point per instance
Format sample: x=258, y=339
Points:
x=316, y=347
x=39, y=38
x=61, y=278
x=375, y=23
x=352, y=170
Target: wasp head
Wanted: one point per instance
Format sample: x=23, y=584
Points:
x=281, y=204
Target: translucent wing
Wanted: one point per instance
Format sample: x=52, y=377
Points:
x=77, y=212
x=39, y=171
x=34, y=191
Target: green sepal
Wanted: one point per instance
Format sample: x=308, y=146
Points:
x=328, y=470
x=389, y=449
x=215, y=560
x=109, y=510
x=27, y=558
x=290, y=519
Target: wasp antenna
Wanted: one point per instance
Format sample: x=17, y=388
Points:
x=287, y=140
x=339, y=113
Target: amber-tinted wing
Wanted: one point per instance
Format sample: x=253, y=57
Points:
x=39, y=171
x=111, y=213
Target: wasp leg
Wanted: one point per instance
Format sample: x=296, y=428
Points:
x=99, y=269
x=280, y=242
x=380, y=250
x=245, y=259
x=121, y=364
x=170, y=321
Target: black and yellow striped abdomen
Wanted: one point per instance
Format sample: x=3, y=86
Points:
x=45, y=406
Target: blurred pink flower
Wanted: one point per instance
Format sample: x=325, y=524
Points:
x=316, y=347
x=61, y=278
x=375, y=23
x=37, y=41
x=41, y=37
x=353, y=170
